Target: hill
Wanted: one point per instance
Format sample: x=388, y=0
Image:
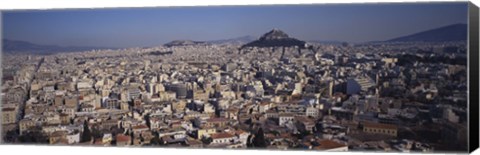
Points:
x=14, y=46
x=184, y=43
x=455, y=32
x=275, y=38
x=236, y=41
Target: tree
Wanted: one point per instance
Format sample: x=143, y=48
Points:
x=147, y=119
x=96, y=133
x=217, y=112
x=10, y=136
x=132, y=137
x=156, y=139
x=86, y=135
x=259, y=139
x=33, y=137
x=275, y=132
x=207, y=140
x=249, y=121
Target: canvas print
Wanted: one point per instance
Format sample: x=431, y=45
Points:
x=322, y=77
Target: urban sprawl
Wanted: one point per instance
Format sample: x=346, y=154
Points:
x=400, y=97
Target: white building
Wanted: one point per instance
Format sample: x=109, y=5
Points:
x=73, y=138
x=222, y=138
x=312, y=112
x=283, y=119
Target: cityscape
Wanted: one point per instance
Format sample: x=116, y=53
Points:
x=274, y=91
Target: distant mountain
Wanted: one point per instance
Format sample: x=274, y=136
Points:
x=275, y=38
x=333, y=42
x=14, y=46
x=184, y=43
x=236, y=41
x=455, y=32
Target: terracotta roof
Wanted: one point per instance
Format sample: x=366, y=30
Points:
x=286, y=115
x=239, y=132
x=264, y=103
x=8, y=109
x=141, y=126
x=194, y=142
x=285, y=135
x=269, y=136
x=221, y=135
x=122, y=138
x=328, y=144
x=379, y=125
x=271, y=111
x=176, y=123
x=98, y=141
x=62, y=141
x=304, y=119
x=309, y=137
x=232, y=110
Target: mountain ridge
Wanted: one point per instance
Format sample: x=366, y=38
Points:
x=453, y=32
x=11, y=46
x=236, y=40
x=183, y=43
x=275, y=37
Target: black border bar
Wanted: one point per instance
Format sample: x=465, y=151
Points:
x=473, y=79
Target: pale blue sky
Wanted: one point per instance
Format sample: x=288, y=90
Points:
x=125, y=27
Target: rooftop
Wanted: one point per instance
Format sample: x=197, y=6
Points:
x=221, y=135
x=379, y=125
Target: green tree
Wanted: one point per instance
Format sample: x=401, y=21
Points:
x=96, y=133
x=259, y=139
x=33, y=137
x=86, y=135
x=132, y=137
x=147, y=119
x=207, y=140
x=156, y=139
x=10, y=136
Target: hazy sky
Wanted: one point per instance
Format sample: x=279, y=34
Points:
x=129, y=27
